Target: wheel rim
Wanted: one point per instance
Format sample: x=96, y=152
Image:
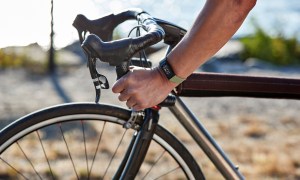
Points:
x=90, y=165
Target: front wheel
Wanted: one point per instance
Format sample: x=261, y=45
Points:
x=86, y=141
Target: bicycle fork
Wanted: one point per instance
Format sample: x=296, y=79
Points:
x=138, y=147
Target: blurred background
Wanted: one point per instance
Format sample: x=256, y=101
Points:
x=261, y=135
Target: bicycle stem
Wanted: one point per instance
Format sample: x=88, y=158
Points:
x=205, y=140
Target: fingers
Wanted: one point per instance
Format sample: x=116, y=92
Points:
x=131, y=100
x=138, y=108
x=123, y=96
x=130, y=103
x=126, y=94
x=119, y=85
x=134, y=105
x=134, y=89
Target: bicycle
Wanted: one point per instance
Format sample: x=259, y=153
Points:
x=72, y=137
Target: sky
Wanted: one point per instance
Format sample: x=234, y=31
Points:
x=26, y=21
x=23, y=22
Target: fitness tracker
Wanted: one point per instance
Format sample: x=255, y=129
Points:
x=168, y=71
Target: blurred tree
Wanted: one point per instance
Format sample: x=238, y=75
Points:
x=278, y=49
x=51, y=65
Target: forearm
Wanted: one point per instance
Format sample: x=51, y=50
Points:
x=214, y=26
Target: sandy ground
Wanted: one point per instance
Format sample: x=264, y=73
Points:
x=262, y=136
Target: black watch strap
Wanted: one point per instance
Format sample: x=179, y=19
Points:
x=168, y=71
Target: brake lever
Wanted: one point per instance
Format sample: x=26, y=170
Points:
x=99, y=80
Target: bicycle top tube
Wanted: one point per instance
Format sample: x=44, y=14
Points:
x=217, y=84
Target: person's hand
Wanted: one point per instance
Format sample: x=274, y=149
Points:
x=143, y=88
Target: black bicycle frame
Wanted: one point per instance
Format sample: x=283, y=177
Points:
x=205, y=140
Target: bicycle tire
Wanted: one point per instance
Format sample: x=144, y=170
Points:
x=48, y=163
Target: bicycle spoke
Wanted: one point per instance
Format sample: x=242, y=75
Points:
x=95, y=154
x=121, y=140
x=169, y=172
x=62, y=133
x=160, y=156
x=56, y=148
x=85, y=150
x=40, y=140
x=28, y=160
x=14, y=168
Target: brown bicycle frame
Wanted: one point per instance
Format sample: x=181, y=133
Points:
x=218, y=84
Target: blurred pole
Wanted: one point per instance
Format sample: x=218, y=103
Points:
x=51, y=64
x=52, y=67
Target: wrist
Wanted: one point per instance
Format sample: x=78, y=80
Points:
x=165, y=80
x=167, y=70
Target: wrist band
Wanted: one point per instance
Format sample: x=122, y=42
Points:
x=168, y=71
